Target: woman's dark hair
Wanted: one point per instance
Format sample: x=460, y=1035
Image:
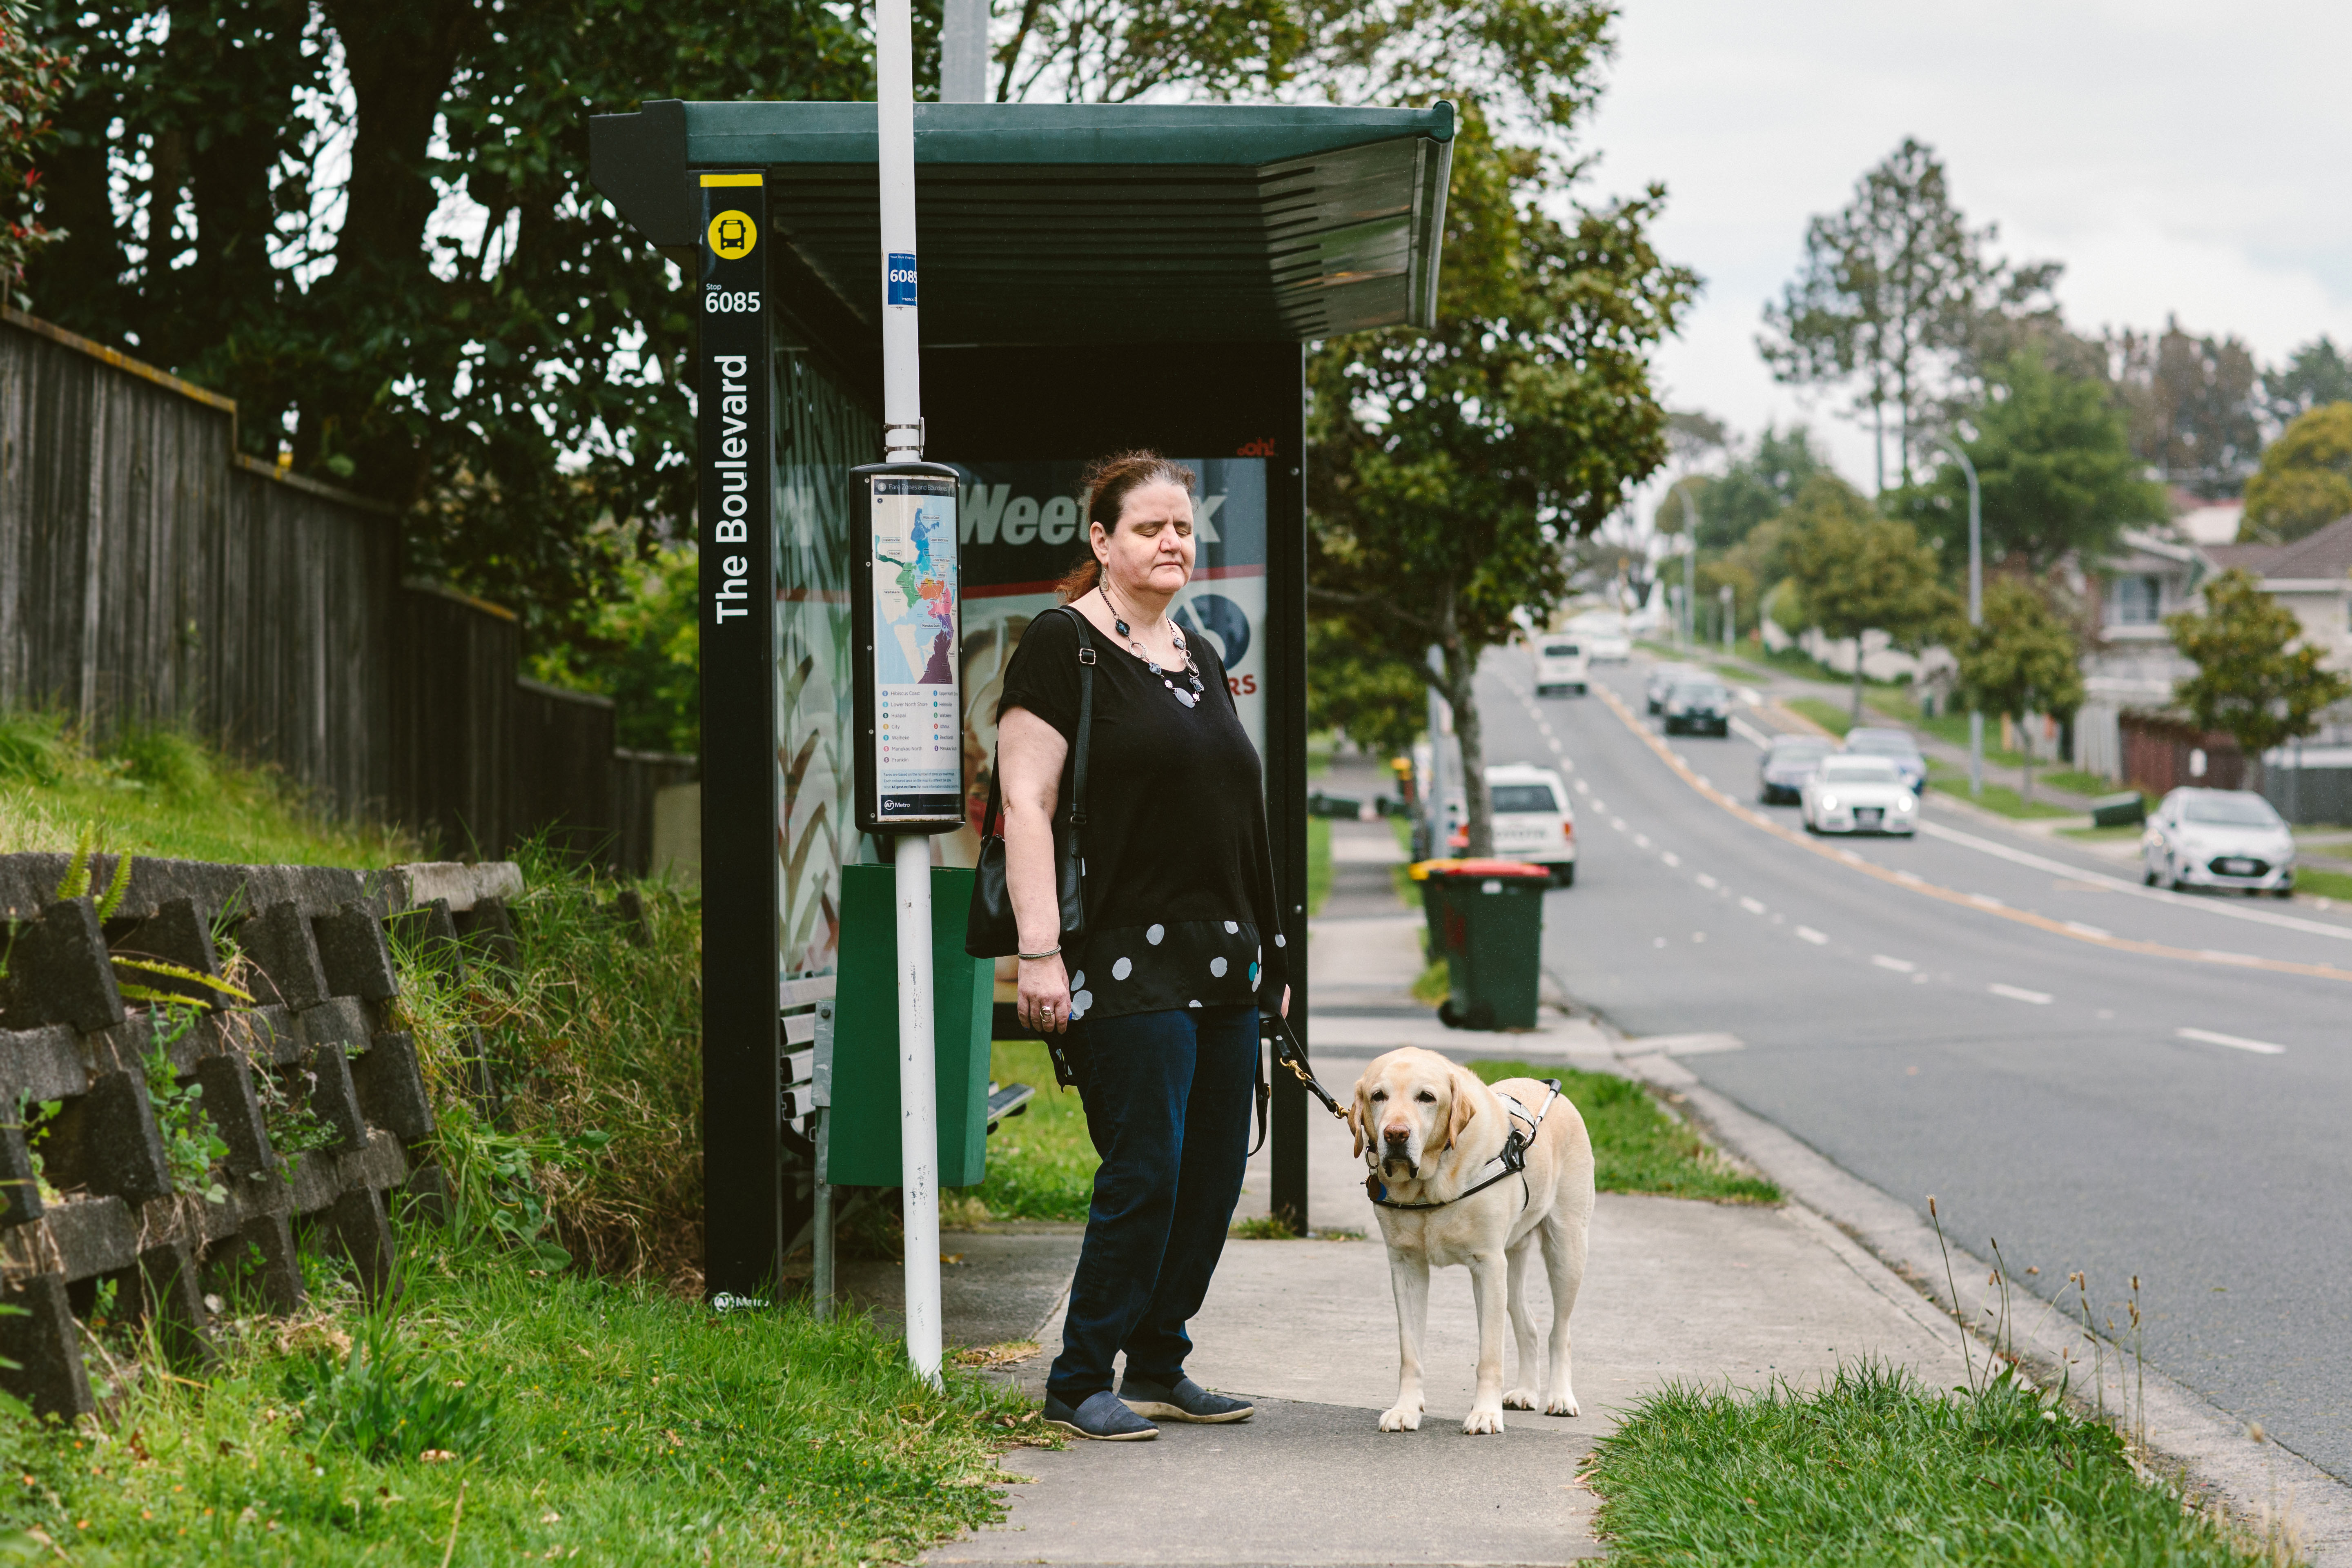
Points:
x=1108, y=481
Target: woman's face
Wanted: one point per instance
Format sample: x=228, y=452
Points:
x=1151, y=551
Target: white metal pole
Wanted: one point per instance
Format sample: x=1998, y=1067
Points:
x=902, y=441
x=1438, y=847
x=964, y=52
x=1976, y=603
x=918, y=1119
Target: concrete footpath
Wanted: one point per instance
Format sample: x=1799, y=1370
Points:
x=1675, y=1291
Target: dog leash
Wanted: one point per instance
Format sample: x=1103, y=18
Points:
x=1288, y=1052
x=1513, y=1159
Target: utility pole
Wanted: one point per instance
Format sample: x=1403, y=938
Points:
x=1976, y=604
x=1690, y=567
x=964, y=52
x=1723, y=595
x=1436, y=780
x=902, y=442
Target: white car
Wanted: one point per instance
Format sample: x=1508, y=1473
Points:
x=1533, y=821
x=1858, y=794
x=1561, y=665
x=1605, y=637
x=2217, y=838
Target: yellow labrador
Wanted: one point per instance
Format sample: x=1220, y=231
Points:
x=1431, y=1133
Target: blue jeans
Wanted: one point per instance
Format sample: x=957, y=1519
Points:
x=1168, y=1100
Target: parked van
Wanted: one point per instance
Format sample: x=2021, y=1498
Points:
x=1560, y=664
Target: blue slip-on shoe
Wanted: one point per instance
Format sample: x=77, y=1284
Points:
x=1102, y=1418
x=1188, y=1401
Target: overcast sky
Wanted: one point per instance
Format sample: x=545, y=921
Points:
x=2177, y=157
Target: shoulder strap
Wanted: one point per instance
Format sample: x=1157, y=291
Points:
x=1078, y=817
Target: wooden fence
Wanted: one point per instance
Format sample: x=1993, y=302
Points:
x=2161, y=753
x=150, y=574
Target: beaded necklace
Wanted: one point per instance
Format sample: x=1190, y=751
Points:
x=1191, y=670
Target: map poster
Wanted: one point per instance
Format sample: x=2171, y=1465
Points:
x=911, y=711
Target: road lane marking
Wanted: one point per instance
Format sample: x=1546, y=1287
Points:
x=2133, y=887
x=1900, y=965
x=1809, y=934
x=1706, y=881
x=1671, y=859
x=1750, y=734
x=1618, y=822
x=2079, y=928
x=1925, y=889
x=1752, y=906
x=1641, y=840
x=2235, y=1042
x=2020, y=994
x=1584, y=788
x=1985, y=901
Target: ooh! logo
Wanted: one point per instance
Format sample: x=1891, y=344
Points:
x=1260, y=447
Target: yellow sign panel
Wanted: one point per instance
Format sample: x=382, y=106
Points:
x=732, y=235
x=749, y=179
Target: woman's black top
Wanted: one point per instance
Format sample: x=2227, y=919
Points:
x=1180, y=905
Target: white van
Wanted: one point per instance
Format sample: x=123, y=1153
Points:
x=1560, y=664
x=1533, y=821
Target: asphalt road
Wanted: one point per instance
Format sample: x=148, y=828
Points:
x=2096, y=1076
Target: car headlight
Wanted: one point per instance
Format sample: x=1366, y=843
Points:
x=1906, y=801
x=1828, y=803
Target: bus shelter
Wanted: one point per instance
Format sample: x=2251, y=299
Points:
x=1094, y=278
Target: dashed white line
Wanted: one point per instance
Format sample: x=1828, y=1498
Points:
x=1706, y=881
x=1851, y=858
x=1750, y=734
x=1752, y=906
x=2080, y=930
x=1912, y=876
x=2020, y=994
x=2235, y=1042
x=1618, y=822
x=1584, y=788
x=1900, y=965
x=2218, y=956
x=1985, y=901
x=1557, y=747
x=1809, y=934
x=1671, y=859
x=1641, y=840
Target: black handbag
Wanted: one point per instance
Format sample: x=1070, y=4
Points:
x=989, y=930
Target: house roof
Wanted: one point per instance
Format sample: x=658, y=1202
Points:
x=1077, y=223
x=2326, y=553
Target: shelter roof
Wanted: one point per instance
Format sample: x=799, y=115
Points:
x=1077, y=223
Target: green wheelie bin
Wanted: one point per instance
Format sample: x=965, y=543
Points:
x=1486, y=919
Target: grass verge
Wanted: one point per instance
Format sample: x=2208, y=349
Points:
x=2324, y=884
x=157, y=792
x=2089, y=835
x=1041, y=1164
x=1318, y=863
x=1876, y=1469
x=1637, y=1147
x=1837, y=718
x=1953, y=780
x=573, y=1418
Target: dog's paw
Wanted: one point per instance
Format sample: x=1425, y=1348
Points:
x=1401, y=1418
x=1562, y=1405
x=1520, y=1399
x=1482, y=1423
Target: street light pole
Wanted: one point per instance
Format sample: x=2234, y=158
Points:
x=1690, y=568
x=1976, y=603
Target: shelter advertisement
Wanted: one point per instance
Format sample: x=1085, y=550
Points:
x=1022, y=529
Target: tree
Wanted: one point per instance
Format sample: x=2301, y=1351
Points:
x=2192, y=406
x=2314, y=374
x=644, y=651
x=2024, y=660
x=1756, y=485
x=2057, y=473
x=1890, y=293
x=1857, y=572
x=32, y=79
x=1377, y=700
x=2251, y=681
x=1448, y=470
x=2304, y=482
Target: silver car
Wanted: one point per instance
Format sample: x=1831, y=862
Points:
x=1859, y=794
x=2217, y=838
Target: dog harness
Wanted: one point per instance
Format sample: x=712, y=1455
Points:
x=1511, y=1162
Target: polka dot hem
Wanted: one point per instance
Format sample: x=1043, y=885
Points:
x=1182, y=963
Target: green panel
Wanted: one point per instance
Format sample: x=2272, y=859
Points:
x=862, y=1128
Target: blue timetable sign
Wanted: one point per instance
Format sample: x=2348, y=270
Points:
x=901, y=283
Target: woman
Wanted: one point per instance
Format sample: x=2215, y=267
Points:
x=1183, y=941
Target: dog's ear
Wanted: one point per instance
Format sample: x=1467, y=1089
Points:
x=1464, y=1106
x=1357, y=1115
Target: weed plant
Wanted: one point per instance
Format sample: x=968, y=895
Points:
x=1875, y=1468
x=592, y=1143
x=157, y=791
x=1637, y=1147
x=596, y=1422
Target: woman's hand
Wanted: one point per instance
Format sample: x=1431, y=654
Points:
x=1044, y=1001
x=1285, y=1001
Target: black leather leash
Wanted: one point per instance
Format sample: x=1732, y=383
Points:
x=1290, y=1054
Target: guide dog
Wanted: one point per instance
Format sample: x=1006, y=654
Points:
x=1465, y=1174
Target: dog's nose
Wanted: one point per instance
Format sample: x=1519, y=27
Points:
x=1397, y=1134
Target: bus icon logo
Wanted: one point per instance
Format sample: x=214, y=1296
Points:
x=732, y=235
